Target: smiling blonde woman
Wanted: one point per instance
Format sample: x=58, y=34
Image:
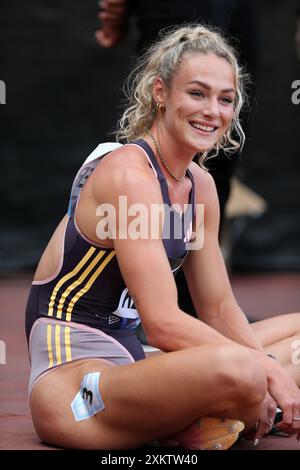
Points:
x=91, y=386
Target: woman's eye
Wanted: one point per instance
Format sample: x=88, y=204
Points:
x=227, y=100
x=197, y=93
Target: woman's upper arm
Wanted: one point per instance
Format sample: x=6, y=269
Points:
x=143, y=261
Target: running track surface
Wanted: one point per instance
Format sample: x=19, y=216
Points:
x=260, y=296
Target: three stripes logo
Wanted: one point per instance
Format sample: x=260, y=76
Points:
x=58, y=344
x=71, y=287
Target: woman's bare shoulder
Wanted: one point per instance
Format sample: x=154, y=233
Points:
x=127, y=156
x=123, y=171
x=205, y=185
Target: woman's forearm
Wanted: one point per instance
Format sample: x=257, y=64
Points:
x=230, y=321
x=181, y=331
x=184, y=331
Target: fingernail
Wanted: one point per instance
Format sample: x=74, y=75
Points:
x=256, y=441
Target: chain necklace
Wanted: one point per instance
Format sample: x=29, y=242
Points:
x=162, y=159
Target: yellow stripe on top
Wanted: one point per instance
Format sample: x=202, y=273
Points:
x=88, y=285
x=68, y=344
x=49, y=345
x=67, y=277
x=77, y=283
x=57, y=345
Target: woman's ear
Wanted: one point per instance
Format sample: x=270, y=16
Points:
x=158, y=93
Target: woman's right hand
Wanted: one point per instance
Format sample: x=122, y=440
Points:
x=286, y=394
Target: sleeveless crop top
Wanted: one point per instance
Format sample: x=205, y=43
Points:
x=89, y=288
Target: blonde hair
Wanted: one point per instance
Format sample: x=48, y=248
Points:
x=162, y=60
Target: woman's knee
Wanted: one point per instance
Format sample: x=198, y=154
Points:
x=242, y=376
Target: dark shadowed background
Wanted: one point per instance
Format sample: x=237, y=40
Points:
x=63, y=98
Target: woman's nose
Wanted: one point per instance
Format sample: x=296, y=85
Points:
x=211, y=108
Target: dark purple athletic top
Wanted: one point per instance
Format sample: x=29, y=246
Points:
x=89, y=288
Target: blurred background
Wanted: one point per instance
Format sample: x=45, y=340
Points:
x=63, y=97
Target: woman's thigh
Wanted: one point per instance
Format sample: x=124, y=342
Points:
x=280, y=336
x=144, y=401
x=275, y=329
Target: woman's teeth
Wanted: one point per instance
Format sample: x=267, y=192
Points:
x=202, y=127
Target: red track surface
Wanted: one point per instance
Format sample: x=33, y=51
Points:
x=259, y=295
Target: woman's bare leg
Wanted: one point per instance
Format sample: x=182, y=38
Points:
x=150, y=399
x=280, y=336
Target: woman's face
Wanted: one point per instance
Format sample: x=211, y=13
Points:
x=200, y=103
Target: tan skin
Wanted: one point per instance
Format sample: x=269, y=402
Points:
x=148, y=400
x=113, y=18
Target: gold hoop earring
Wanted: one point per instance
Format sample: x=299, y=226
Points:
x=160, y=107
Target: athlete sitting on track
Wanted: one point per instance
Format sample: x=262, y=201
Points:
x=91, y=386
